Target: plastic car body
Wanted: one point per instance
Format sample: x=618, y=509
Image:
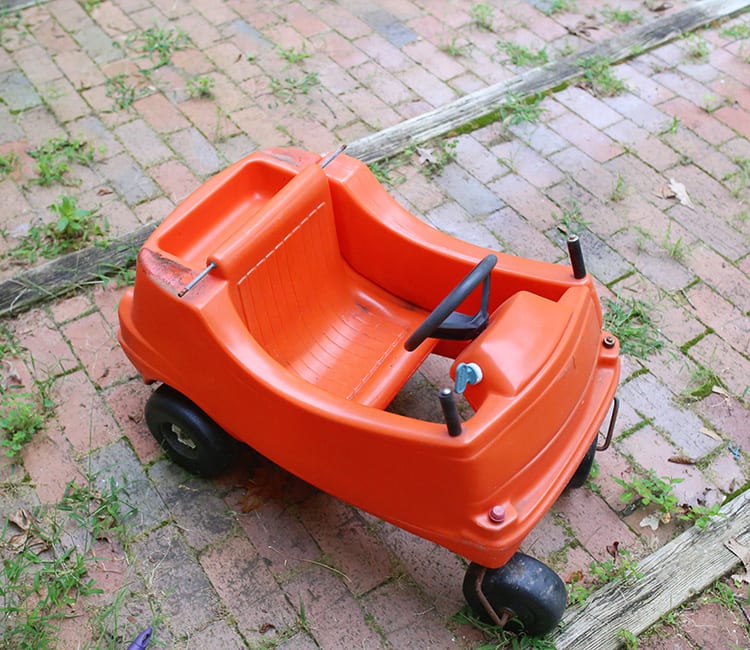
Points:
x=292, y=341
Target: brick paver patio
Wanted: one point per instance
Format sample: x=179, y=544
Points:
x=259, y=559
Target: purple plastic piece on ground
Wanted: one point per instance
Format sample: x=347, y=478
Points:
x=142, y=640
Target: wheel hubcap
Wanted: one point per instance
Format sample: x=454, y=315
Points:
x=182, y=437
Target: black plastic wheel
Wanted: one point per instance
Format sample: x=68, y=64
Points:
x=190, y=438
x=584, y=469
x=526, y=589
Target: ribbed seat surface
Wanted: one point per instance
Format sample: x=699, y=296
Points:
x=313, y=314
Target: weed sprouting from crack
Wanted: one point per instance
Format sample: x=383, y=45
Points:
x=599, y=78
x=630, y=321
x=517, y=110
x=54, y=157
x=523, y=56
x=158, y=43
x=289, y=88
x=72, y=229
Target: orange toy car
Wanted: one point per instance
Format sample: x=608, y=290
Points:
x=287, y=301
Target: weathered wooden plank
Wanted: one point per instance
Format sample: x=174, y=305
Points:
x=66, y=273
x=671, y=575
x=70, y=271
x=438, y=122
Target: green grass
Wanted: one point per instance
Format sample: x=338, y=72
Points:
x=630, y=321
x=22, y=414
x=454, y=49
x=599, y=78
x=560, y=6
x=497, y=638
x=8, y=163
x=737, y=31
x=622, y=16
x=158, y=43
x=72, y=229
x=571, y=221
x=55, y=156
x=433, y=160
x=517, y=110
x=384, y=170
x=122, y=92
x=44, y=576
x=523, y=56
x=697, y=47
x=289, y=88
x=293, y=55
x=483, y=15
x=739, y=180
x=619, y=190
x=200, y=86
x=702, y=382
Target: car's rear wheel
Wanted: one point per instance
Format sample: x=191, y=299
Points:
x=189, y=436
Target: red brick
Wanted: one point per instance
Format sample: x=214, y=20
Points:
x=721, y=276
x=344, y=21
x=248, y=590
x=305, y=22
x=215, y=125
x=81, y=413
x=160, y=113
x=95, y=344
x=521, y=237
x=384, y=84
x=280, y=538
x=643, y=144
x=192, y=62
x=332, y=613
x=439, y=63
x=546, y=539
x=712, y=621
x=588, y=139
x=526, y=200
x=80, y=69
x=438, y=572
x=380, y=50
x=727, y=417
x=406, y=620
x=594, y=524
x=588, y=107
x=651, y=451
x=112, y=18
x=735, y=117
x=726, y=320
x=127, y=402
x=698, y=120
x=175, y=179
x=48, y=353
x=343, y=536
x=228, y=57
x=49, y=465
x=648, y=89
x=202, y=33
x=63, y=100
x=70, y=308
x=155, y=210
x=733, y=368
x=215, y=12
x=37, y=66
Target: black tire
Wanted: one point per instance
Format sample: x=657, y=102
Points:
x=584, y=469
x=527, y=589
x=190, y=438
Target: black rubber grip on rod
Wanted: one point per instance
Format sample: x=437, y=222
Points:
x=576, y=257
x=450, y=412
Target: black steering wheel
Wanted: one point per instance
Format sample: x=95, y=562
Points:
x=445, y=322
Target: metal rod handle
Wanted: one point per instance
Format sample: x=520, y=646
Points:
x=197, y=279
x=576, y=257
x=450, y=412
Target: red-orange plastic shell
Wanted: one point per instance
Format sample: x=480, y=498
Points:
x=293, y=344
